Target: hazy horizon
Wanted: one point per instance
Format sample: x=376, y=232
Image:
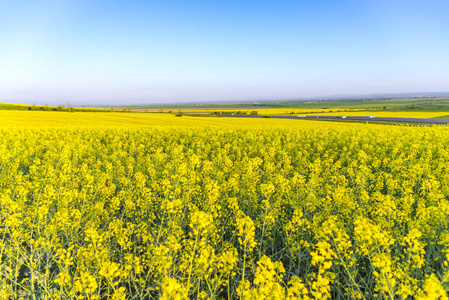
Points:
x=135, y=52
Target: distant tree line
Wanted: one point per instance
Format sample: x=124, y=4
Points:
x=238, y=112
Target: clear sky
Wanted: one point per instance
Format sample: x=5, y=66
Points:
x=128, y=52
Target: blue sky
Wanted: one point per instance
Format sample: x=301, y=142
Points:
x=127, y=52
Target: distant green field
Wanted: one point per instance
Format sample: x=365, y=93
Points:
x=441, y=104
x=411, y=105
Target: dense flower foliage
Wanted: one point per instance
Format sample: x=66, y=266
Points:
x=225, y=212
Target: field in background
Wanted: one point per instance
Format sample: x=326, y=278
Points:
x=407, y=108
x=390, y=114
x=442, y=103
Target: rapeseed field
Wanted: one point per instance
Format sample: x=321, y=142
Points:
x=390, y=114
x=150, y=206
